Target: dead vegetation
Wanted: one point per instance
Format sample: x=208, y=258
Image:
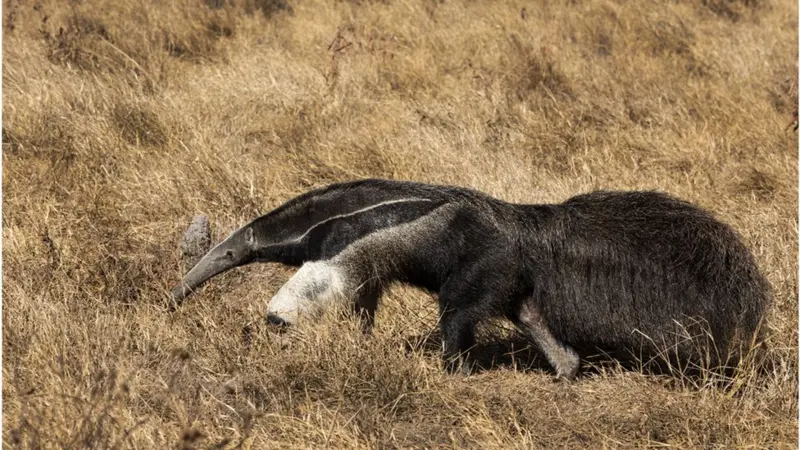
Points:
x=123, y=120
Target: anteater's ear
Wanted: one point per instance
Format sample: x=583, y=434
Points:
x=249, y=237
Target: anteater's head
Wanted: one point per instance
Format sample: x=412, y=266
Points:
x=237, y=250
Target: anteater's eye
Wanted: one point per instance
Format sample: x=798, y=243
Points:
x=229, y=253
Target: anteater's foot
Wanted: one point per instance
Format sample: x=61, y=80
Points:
x=560, y=355
x=276, y=323
x=460, y=366
x=566, y=364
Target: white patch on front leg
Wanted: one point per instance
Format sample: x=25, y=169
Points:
x=316, y=285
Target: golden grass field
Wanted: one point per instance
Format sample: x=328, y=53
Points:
x=123, y=120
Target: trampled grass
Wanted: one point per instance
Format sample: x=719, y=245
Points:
x=123, y=120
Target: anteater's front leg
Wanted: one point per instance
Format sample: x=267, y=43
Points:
x=318, y=285
x=365, y=302
x=461, y=307
x=458, y=337
x=476, y=291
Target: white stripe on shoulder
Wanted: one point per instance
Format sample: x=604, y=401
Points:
x=362, y=210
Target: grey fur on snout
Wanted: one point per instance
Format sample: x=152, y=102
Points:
x=234, y=251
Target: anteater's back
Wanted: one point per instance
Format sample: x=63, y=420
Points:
x=614, y=267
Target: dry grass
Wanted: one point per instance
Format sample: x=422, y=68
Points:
x=122, y=120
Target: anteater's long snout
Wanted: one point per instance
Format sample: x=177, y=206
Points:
x=204, y=270
x=232, y=252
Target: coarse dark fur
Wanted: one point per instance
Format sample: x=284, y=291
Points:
x=629, y=272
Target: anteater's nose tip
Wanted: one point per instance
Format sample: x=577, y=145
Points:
x=273, y=319
x=177, y=293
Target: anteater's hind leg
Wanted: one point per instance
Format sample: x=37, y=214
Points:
x=561, y=356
